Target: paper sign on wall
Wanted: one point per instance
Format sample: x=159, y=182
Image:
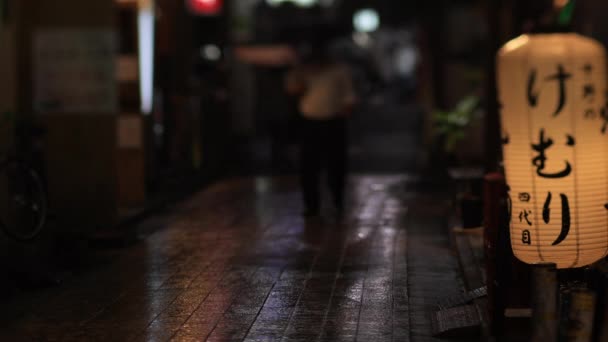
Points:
x=74, y=71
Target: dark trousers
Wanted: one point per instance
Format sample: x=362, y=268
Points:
x=323, y=146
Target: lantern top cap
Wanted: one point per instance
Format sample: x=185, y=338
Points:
x=515, y=44
x=547, y=39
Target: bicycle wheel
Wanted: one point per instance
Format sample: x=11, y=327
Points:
x=23, y=201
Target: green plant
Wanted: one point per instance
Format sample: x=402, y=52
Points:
x=451, y=125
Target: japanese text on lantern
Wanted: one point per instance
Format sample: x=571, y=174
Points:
x=545, y=140
x=552, y=90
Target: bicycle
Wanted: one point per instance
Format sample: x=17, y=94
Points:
x=23, y=198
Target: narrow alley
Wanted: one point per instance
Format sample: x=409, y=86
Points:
x=237, y=262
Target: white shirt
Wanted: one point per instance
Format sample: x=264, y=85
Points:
x=326, y=90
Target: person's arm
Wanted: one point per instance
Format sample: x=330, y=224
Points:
x=266, y=55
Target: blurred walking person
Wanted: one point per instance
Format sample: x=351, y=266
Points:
x=326, y=98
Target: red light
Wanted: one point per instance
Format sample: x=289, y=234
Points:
x=205, y=7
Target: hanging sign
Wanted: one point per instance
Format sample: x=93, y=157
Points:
x=205, y=7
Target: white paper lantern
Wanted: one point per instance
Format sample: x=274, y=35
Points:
x=552, y=92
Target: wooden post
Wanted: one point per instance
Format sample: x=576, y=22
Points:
x=493, y=153
x=7, y=75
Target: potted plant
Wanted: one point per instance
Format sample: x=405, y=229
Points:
x=451, y=128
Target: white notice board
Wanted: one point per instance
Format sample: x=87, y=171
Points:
x=74, y=71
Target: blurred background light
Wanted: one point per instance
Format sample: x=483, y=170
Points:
x=145, y=25
x=299, y=3
x=366, y=20
x=362, y=39
x=559, y=3
x=205, y=7
x=211, y=52
x=406, y=59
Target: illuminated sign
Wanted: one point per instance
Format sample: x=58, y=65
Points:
x=205, y=7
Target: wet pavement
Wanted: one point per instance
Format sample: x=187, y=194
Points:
x=237, y=262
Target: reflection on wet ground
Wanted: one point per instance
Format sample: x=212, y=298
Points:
x=237, y=262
